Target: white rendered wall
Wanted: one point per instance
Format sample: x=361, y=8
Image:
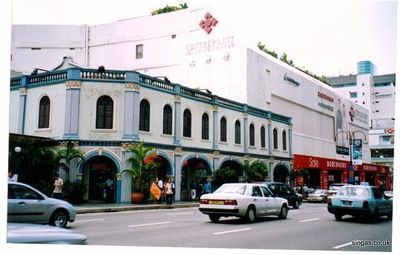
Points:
x=56, y=94
x=14, y=111
x=44, y=46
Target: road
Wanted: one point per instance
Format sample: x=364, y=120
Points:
x=309, y=228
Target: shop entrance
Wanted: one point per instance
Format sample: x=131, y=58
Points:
x=334, y=176
x=370, y=178
x=314, y=178
x=195, y=172
x=97, y=172
x=281, y=174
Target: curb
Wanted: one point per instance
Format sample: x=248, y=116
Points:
x=83, y=210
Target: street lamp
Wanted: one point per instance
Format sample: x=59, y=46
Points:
x=351, y=137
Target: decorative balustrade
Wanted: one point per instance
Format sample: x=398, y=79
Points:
x=154, y=82
x=47, y=77
x=106, y=75
x=196, y=93
x=230, y=104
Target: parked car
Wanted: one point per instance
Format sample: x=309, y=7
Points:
x=244, y=200
x=333, y=188
x=318, y=195
x=282, y=190
x=388, y=193
x=28, y=205
x=360, y=200
x=35, y=233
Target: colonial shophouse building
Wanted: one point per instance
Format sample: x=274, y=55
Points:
x=102, y=113
x=197, y=48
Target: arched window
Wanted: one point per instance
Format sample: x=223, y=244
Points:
x=284, y=140
x=251, y=133
x=275, y=138
x=262, y=136
x=144, y=119
x=187, y=123
x=222, y=135
x=104, y=112
x=237, y=132
x=44, y=112
x=167, y=120
x=204, y=127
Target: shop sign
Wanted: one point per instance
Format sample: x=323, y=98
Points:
x=336, y=164
x=357, y=152
x=325, y=106
x=291, y=81
x=325, y=96
x=342, y=150
x=210, y=45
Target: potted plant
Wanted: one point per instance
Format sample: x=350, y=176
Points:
x=142, y=171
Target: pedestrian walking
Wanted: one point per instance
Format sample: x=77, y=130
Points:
x=168, y=189
x=193, y=188
x=58, y=184
x=109, y=190
x=160, y=185
x=207, y=187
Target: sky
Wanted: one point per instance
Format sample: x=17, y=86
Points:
x=326, y=37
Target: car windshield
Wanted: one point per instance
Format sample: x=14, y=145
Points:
x=239, y=189
x=353, y=192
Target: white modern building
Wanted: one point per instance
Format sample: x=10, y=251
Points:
x=377, y=93
x=195, y=48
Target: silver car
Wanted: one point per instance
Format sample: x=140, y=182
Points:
x=42, y=234
x=244, y=200
x=28, y=205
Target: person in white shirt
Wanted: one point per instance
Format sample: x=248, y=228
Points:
x=58, y=184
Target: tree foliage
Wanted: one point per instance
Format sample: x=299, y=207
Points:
x=169, y=8
x=143, y=169
x=284, y=58
x=66, y=155
x=255, y=172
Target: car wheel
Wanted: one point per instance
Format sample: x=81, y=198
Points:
x=59, y=218
x=338, y=216
x=250, y=214
x=214, y=218
x=284, y=212
x=296, y=204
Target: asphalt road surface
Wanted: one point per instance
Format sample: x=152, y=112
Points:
x=309, y=228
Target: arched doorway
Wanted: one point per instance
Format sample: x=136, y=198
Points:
x=281, y=174
x=98, y=170
x=195, y=170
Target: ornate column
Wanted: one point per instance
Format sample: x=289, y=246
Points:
x=290, y=141
x=178, y=172
x=270, y=137
x=177, y=112
x=215, y=127
x=22, y=106
x=72, y=104
x=245, y=132
x=131, y=111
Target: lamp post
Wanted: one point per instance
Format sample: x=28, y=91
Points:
x=351, y=137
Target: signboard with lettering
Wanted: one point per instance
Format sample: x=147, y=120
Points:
x=357, y=152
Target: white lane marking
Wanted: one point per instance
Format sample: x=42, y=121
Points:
x=88, y=220
x=314, y=219
x=180, y=213
x=343, y=245
x=232, y=231
x=149, y=224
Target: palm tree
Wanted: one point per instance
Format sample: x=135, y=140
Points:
x=66, y=155
x=143, y=167
x=255, y=172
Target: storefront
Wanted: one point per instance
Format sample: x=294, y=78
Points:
x=338, y=171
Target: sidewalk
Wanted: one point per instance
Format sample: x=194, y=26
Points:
x=96, y=208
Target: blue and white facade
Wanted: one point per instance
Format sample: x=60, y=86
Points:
x=71, y=100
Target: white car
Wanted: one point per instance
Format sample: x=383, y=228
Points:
x=28, y=205
x=244, y=200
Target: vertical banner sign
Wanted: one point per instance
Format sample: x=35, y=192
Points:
x=357, y=152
